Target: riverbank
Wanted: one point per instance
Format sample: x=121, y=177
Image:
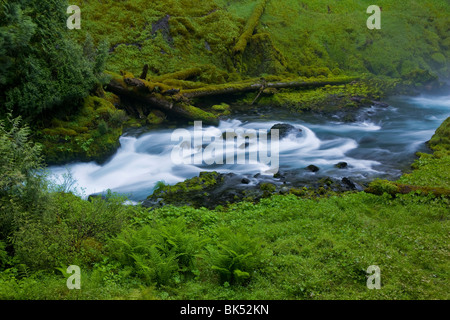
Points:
x=284, y=247
x=326, y=154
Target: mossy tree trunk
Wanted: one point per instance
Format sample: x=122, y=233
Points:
x=170, y=105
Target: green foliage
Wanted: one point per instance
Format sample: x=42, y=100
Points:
x=283, y=247
x=3, y=255
x=71, y=231
x=91, y=133
x=433, y=170
x=252, y=22
x=310, y=39
x=42, y=68
x=22, y=189
x=235, y=256
x=160, y=254
x=383, y=186
x=440, y=142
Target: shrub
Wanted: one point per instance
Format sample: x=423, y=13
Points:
x=21, y=187
x=71, y=231
x=103, y=127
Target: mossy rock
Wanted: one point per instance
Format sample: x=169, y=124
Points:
x=222, y=109
x=156, y=117
x=90, y=134
x=60, y=132
x=380, y=187
x=262, y=57
x=439, y=58
x=269, y=187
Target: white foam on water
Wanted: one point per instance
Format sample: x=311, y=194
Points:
x=142, y=161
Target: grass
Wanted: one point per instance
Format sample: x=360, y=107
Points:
x=433, y=170
x=308, y=249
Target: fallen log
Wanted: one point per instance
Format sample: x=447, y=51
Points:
x=138, y=91
x=176, y=101
x=252, y=23
x=243, y=87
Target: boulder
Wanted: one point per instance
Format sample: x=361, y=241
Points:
x=285, y=129
x=347, y=182
x=312, y=168
x=341, y=165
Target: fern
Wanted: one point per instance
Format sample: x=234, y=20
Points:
x=234, y=257
x=158, y=254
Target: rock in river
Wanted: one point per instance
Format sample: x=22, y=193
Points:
x=341, y=165
x=313, y=168
x=285, y=129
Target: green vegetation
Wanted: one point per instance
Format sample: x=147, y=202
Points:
x=92, y=133
x=414, y=35
x=42, y=68
x=433, y=170
x=309, y=55
x=284, y=247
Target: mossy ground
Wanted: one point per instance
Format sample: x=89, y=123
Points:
x=310, y=36
x=433, y=170
x=91, y=133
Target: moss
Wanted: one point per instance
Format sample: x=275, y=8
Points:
x=156, y=117
x=270, y=187
x=440, y=142
x=305, y=33
x=432, y=170
x=439, y=58
x=379, y=187
x=183, y=84
x=60, y=132
x=112, y=98
x=198, y=114
x=222, y=109
x=90, y=134
x=179, y=75
x=189, y=190
x=252, y=23
x=262, y=57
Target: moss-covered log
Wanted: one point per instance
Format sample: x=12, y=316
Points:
x=179, y=75
x=250, y=27
x=248, y=86
x=145, y=92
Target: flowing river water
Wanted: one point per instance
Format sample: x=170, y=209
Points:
x=381, y=143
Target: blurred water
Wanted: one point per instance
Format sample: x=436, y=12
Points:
x=381, y=144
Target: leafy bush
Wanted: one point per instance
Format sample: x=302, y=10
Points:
x=71, y=231
x=3, y=254
x=22, y=189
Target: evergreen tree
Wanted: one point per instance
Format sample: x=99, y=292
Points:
x=40, y=66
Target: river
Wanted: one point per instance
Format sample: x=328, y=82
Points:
x=381, y=143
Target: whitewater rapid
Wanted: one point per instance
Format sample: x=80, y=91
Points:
x=381, y=144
